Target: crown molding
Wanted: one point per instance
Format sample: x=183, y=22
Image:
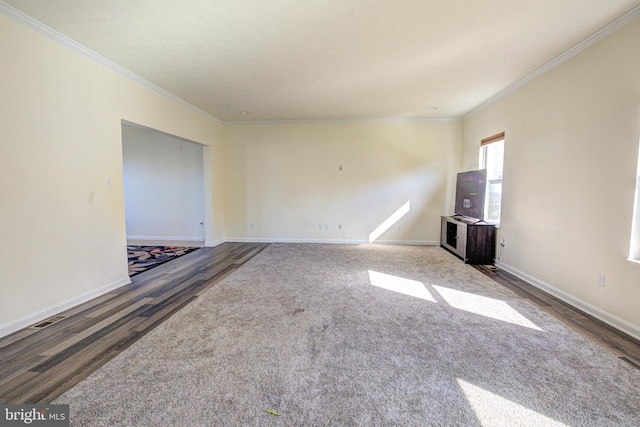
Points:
x=341, y=121
x=60, y=38
x=618, y=23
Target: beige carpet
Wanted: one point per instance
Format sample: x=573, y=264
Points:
x=359, y=335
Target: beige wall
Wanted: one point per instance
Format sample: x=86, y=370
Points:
x=163, y=186
x=285, y=179
x=62, y=227
x=570, y=165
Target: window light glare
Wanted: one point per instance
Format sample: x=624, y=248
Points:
x=634, y=247
x=388, y=223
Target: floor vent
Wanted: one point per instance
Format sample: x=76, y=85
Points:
x=48, y=322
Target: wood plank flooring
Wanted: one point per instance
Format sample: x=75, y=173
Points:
x=36, y=366
x=622, y=345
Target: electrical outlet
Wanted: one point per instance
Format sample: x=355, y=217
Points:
x=201, y=224
x=326, y=226
x=503, y=242
x=252, y=226
x=601, y=279
x=319, y=226
x=339, y=226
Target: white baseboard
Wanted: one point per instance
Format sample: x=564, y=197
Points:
x=328, y=241
x=288, y=240
x=30, y=319
x=213, y=244
x=168, y=238
x=596, y=312
x=408, y=242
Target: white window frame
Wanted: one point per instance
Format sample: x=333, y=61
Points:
x=484, y=144
x=634, y=247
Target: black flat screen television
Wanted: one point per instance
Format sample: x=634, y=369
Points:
x=470, y=192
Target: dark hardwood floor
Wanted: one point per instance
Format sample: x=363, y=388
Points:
x=38, y=365
x=622, y=345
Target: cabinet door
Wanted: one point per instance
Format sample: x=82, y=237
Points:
x=443, y=231
x=481, y=245
x=453, y=231
x=461, y=241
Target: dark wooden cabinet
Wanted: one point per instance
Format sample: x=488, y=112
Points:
x=474, y=242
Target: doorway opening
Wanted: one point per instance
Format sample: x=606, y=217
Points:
x=165, y=195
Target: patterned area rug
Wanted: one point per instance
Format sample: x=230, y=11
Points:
x=142, y=258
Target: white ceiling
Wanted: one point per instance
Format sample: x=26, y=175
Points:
x=329, y=59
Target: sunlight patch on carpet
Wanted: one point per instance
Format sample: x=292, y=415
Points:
x=401, y=285
x=324, y=346
x=484, y=306
x=493, y=410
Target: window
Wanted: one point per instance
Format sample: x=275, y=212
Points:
x=491, y=159
x=634, y=251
